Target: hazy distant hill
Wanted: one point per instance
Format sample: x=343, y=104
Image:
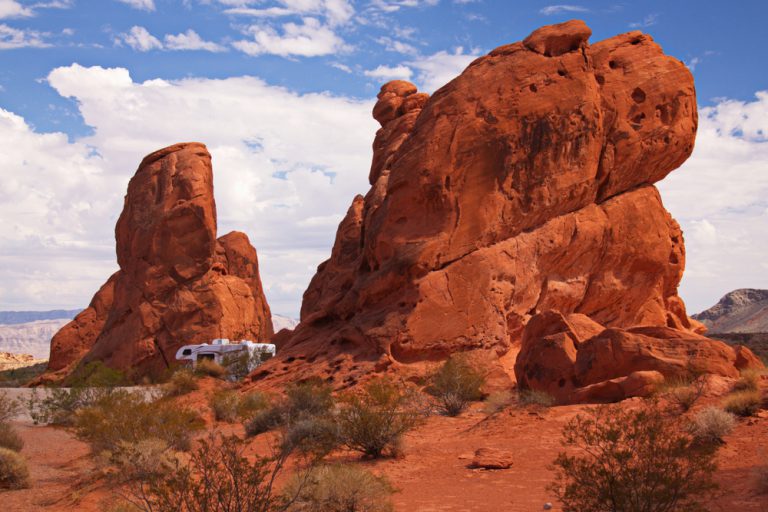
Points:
x=21, y=317
x=283, y=322
x=743, y=310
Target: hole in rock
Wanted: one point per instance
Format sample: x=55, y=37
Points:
x=561, y=72
x=613, y=64
x=638, y=95
x=600, y=79
x=533, y=88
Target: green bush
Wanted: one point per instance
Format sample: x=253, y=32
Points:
x=125, y=416
x=218, y=477
x=535, y=397
x=13, y=471
x=632, y=461
x=9, y=407
x=743, y=403
x=314, y=436
x=95, y=375
x=376, y=420
x=9, y=438
x=250, y=402
x=748, y=381
x=340, y=488
x=711, y=424
x=309, y=398
x=455, y=384
x=497, y=402
x=224, y=404
x=683, y=394
x=264, y=421
x=58, y=406
x=182, y=382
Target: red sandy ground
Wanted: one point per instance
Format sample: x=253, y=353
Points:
x=431, y=476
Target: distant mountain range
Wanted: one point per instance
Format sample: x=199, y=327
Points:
x=22, y=317
x=744, y=310
x=30, y=332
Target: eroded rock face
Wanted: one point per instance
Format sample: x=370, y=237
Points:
x=177, y=283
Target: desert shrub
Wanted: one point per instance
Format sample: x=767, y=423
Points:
x=749, y=380
x=225, y=404
x=455, y=384
x=375, y=420
x=125, y=416
x=264, y=421
x=309, y=398
x=497, y=401
x=9, y=438
x=13, y=470
x=632, y=461
x=9, y=407
x=313, y=436
x=218, y=477
x=95, y=375
x=711, y=424
x=144, y=459
x=743, y=403
x=535, y=397
x=58, y=406
x=340, y=488
x=683, y=394
x=250, y=402
x=182, y=382
x=210, y=368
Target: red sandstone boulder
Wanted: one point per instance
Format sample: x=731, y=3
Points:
x=615, y=364
x=177, y=284
x=523, y=185
x=492, y=458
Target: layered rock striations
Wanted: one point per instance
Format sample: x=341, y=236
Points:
x=524, y=186
x=177, y=284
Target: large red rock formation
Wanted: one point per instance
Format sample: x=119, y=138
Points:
x=177, y=283
x=524, y=185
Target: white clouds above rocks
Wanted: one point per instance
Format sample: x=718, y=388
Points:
x=720, y=198
x=286, y=168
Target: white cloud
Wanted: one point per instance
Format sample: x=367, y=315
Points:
x=648, y=21
x=342, y=67
x=720, y=198
x=286, y=168
x=191, y=40
x=386, y=73
x=336, y=12
x=436, y=70
x=12, y=38
x=309, y=39
x=143, y=5
x=140, y=39
x=13, y=9
x=557, y=9
x=395, y=5
x=394, y=45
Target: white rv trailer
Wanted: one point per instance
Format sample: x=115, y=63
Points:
x=220, y=349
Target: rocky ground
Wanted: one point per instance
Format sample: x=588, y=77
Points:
x=434, y=473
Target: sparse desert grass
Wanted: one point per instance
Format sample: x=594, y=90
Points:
x=749, y=380
x=743, y=403
x=144, y=459
x=308, y=399
x=711, y=424
x=264, y=421
x=633, y=461
x=455, y=384
x=209, y=368
x=224, y=404
x=373, y=422
x=535, y=397
x=340, y=488
x=128, y=417
x=182, y=382
x=498, y=401
x=9, y=438
x=683, y=393
x=13, y=470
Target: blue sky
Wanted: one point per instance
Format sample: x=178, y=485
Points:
x=281, y=91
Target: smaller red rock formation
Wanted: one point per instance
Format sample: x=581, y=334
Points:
x=577, y=360
x=492, y=458
x=177, y=284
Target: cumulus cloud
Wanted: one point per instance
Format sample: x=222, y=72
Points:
x=557, y=9
x=720, y=198
x=143, y=5
x=386, y=73
x=191, y=40
x=286, y=168
x=12, y=38
x=13, y=9
x=336, y=12
x=309, y=39
x=436, y=70
x=140, y=40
